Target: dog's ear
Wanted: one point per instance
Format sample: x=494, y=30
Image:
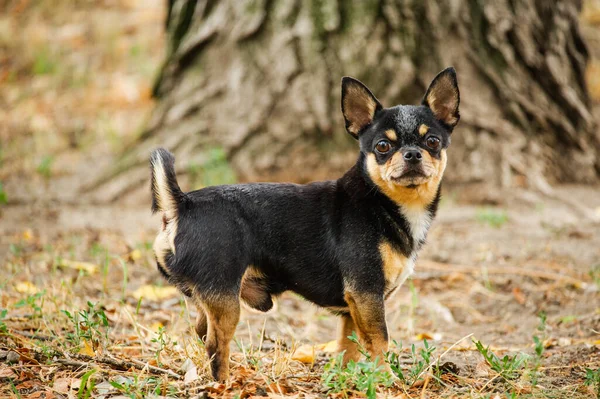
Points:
x=443, y=98
x=359, y=105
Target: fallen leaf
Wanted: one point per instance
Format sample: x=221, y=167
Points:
x=276, y=388
x=26, y=287
x=27, y=235
x=87, y=349
x=136, y=254
x=423, y=336
x=328, y=347
x=156, y=326
x=89, y=268
x=191, y=375
x=304, y=354
x=155, y=293
x=6, y=372
x=63, y=385
x=519, y=296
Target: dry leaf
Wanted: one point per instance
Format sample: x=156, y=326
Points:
x=26, y=287
x=136, y=254
x=7, y=372
x=423, y=336
x=328, y=347
x=27, y=235
x=304, y=354
x=89, y=268
x=154, y=293
x=519, y=296
x=63, y=385
x=87, y=349
x=191, y=375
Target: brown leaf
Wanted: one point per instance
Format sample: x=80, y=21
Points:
x=6, y=372
x=519, y=296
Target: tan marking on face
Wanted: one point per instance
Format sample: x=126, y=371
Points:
x=391, y=134
x=423, y=129
x=359, y=108
x=426, y=188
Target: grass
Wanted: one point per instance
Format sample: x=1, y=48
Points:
x=214, y=170
x=595, y=274
x=592, y=379
x=87, y=315
x=507, y=367
x=3, y=195
x=493, y=217
x=44, y=168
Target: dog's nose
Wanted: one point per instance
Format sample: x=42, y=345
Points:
x=413, y=156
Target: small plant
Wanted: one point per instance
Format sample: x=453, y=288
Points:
x=43, y=64
x=90, y=324
x=538, y=342
x=163, y=341
x=493, y=217
x=45, y=167
x=3, y=196
x=592, y=378
x=135, y=388
x=594, y=273
x=215, y=170
x=362, y=376
x=509, y=367
x=422, y=360
x=3, y=326
x=86, y=387
x=31, y=301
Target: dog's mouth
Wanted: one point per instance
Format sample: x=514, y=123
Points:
x=411, y=178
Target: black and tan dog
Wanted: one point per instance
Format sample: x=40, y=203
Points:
x=345, y=245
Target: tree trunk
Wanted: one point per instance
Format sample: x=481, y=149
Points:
x=261, y=80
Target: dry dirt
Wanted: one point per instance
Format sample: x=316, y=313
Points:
x=486, y=271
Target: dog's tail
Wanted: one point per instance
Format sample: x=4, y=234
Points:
x=166, y=194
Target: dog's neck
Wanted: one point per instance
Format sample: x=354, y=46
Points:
x=417, y=213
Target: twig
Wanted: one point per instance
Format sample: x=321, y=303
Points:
x=33, y=336
x=442, y=355
x=125, y=365
x=453, y=268
x=155, y=369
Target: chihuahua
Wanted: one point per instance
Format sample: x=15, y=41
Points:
x=345, y=244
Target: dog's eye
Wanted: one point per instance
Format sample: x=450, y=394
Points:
x=433, y=143
x=383, y=146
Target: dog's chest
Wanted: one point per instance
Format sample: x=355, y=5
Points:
x=396, y=266
x=419, y=221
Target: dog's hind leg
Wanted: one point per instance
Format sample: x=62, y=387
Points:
x=201, y=320
x=223, y=314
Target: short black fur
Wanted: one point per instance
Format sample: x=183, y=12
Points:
x=320, y=240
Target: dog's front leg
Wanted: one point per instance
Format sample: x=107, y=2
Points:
x=368, y=314
x=347, y=327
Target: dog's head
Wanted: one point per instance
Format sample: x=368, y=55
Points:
x=404, y=146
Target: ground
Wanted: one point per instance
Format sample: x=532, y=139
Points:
x=85, y=313
x=487, y=274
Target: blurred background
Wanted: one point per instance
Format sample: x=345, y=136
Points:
x=250, y=91
x=245, y=91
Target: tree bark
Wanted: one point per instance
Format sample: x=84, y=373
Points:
x=261, y=80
